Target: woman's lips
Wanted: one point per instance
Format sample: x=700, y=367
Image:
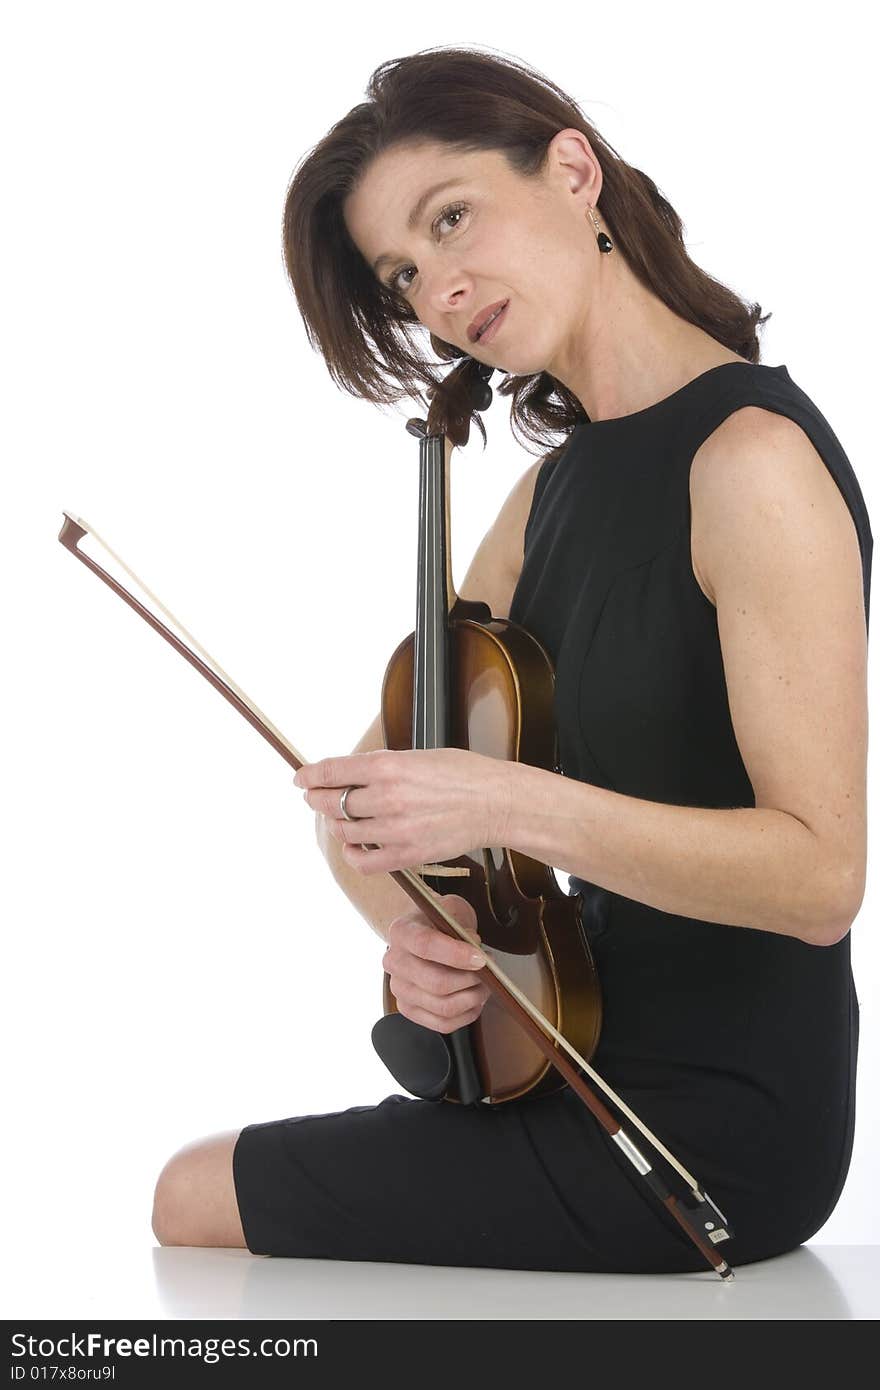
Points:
x=490, y=332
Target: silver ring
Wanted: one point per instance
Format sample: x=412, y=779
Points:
x=342, y=810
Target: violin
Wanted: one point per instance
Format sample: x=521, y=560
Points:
x=492, y=691
x=466, y=679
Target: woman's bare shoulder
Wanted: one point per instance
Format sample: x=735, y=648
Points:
x=497, y=562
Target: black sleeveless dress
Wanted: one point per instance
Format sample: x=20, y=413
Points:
x=736, y=1046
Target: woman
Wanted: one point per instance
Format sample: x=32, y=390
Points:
x=695, y=557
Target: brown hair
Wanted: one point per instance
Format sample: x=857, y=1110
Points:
x=369, y=336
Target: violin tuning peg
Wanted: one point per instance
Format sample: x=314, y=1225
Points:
x=417, y=427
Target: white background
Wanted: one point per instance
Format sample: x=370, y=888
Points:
x=178, y=958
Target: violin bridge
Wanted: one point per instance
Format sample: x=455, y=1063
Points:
x=441, y=870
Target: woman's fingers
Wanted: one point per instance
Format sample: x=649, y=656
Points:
x=444, y=1012
x=426, y=975
x=435, y=1021
x=415, y=934
x=435, y=978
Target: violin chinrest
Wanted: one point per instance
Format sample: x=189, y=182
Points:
x=418, y=1058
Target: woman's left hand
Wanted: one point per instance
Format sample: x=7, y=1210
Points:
x=422, y=805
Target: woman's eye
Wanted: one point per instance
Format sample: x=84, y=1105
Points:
x=456, y=209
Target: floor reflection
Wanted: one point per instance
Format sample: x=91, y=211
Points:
x=805, y=1283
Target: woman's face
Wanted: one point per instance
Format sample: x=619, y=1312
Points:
x=489, y=235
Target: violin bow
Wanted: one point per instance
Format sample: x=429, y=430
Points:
x=700, y=1219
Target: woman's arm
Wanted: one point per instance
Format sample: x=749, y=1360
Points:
x=747, y=867
x=379, y=900
x=779, y=551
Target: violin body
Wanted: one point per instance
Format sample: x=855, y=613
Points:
x=500, y=689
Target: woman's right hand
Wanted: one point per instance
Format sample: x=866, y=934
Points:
x=433, y=976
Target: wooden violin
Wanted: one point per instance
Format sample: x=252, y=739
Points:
x=466, y=679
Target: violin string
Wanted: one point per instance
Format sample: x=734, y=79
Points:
x=197, y=645
x=548, y=1028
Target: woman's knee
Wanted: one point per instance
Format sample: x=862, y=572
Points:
x=194, y=1202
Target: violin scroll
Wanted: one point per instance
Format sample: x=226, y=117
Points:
x=457, y=399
